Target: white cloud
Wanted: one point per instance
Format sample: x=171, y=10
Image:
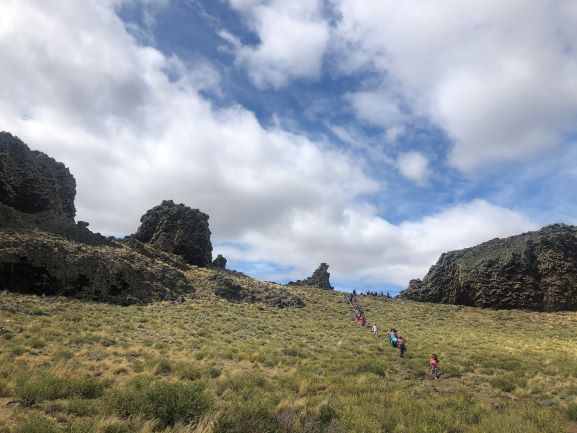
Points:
x=381, y=107
x=134, y=130
x=360, y=245
x=132, y=127
x=293, y=39
x=498, y=76
x=414, y=166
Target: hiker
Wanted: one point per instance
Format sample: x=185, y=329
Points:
x=401, y=345
x=354, y=292
x=362, y=320
x=434, y=362
x=393, y=337
x=375, y=330
x=350, y=298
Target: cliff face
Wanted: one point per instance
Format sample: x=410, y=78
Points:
x=32, y=182
x=535, y=270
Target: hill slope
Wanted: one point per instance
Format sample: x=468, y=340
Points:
x=212, y=365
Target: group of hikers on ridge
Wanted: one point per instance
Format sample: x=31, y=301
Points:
x=395, y=339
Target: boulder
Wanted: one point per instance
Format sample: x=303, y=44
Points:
x=319, y=279
x=535, y=270
x=177, y=229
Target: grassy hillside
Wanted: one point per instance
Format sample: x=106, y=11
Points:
x=208, y=365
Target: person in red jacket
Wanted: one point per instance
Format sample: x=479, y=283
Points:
x=434, y=363
x=401, y=344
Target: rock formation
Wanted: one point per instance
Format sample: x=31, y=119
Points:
x=319, y=278
x=231, y=289
x=48, y=264
x=219, y=262
x=43, y=251
x=177, y=229
x=535, y=270
x=32, y=182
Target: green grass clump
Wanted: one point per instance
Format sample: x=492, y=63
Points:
x=572, y=411
x=165, y=402
x=37, y=424
x=44, y=385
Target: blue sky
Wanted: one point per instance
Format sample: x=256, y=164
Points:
x=371, y=135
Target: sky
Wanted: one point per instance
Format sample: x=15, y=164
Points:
x=372, y=135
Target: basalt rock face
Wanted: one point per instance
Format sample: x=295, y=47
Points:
x=535, y=270
x=32, y=182
x=177, y=229
x=319, y=278
x=43, y=263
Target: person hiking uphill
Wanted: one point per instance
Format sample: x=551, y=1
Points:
x=375, y=330
x=434, y=363
x=350, y=298
x=393, y=337
x=401, y=344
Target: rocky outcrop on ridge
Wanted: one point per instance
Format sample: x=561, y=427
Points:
x=32, y=182
x=177, y=229
x=319, y=278
x=535, y=270
x=219, y=262
x=230, y=288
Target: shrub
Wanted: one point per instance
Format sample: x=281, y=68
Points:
x=82, y=426
x=504, y=383
x=37, y=424
x=81, y=407
x=572, y=411
x=45, y=386
x=3, y=389
x=251, y=416
x=165, y=402
x=163, y=367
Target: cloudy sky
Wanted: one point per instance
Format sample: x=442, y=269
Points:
x=369, y=134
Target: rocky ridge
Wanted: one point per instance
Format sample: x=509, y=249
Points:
x=44, y=251
x=535, y=270
x=319, y=279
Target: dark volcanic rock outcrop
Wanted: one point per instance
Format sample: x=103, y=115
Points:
x=535, y=270
x=219, y=262
x=319, y=278
x=236, y=291
x=44, y=263
x=43, y=251
x=177, y=229
x=32, y=182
